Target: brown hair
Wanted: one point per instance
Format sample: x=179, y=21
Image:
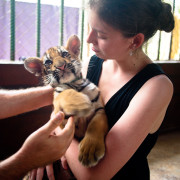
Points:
x=135, y=16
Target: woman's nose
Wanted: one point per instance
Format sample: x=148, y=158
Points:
x=91, y=37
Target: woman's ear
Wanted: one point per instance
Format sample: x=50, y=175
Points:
x=73, y=45
x=34, y=65
x=137, y=41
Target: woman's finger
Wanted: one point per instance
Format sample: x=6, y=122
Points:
x=50, y=172
x=64, y=162
x=32, y=175
x=40, y=173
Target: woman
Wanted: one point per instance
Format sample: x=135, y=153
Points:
x=136, y=92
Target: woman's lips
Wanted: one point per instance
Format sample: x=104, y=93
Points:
x=95, y=50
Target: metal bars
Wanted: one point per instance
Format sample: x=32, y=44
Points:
x=61, y=23
x=171, y=33
x=61, y=31
x=38, y=40
x=38, y=28
x=82, y=29
x=12, y=32
x=159, y=46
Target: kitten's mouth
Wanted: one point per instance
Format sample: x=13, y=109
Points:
x=61, y=71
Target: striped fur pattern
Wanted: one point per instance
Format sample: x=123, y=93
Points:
x=75, y=96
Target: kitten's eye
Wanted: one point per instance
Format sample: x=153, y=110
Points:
x=48, y=62
x=64, y=54
x=69, y=65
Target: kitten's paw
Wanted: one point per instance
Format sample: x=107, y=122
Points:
x=91, y=150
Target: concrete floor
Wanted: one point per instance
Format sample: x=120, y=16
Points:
x=164, y=159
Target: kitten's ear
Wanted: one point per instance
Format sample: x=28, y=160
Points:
x=34, y=65
x=73, y=45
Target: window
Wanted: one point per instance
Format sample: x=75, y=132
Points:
x=166, y=46
x=29, y=27
x=33, y=27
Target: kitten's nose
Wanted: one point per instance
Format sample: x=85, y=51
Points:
x=61, y=67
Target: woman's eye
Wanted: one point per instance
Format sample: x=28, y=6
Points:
x=101, y=36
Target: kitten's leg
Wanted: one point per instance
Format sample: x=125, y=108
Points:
x=73, y=103
x=92, y=147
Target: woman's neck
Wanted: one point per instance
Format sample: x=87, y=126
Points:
x=131, y=64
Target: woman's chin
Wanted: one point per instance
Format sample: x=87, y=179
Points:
x=99, y=55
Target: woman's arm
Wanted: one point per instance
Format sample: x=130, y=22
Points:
x=14, y=102
x=143, y=116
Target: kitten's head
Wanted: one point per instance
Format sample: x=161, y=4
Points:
x=58, y=64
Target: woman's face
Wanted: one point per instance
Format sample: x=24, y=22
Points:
x=107, y=42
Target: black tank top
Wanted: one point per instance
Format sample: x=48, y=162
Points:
x=137, y=167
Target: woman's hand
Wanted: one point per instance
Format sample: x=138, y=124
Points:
x=64, y=162
x=37, y=174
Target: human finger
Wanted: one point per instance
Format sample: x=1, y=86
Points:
x=64, y=162
x=33, y=174
x=50, y=172
x=54, y=122
x=40, y=173
x=52, y=114
x=70, y=126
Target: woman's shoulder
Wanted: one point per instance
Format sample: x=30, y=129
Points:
x=150, y=103
x=156, y=92
x=162, y=83
x=155, y=78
